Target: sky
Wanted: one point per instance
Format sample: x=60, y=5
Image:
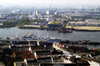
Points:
x=25, y=2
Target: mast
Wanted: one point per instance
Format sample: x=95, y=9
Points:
x=47, y=35
x=38, y=39
x=16, y=33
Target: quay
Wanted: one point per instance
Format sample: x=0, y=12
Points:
x=83, y=28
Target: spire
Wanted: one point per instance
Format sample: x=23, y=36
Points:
x=82, y=9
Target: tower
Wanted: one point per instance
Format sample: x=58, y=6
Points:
x=92, y=10
x=82, y=9
x=98, y=9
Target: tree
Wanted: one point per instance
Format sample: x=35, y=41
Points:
x=24, y=22
x=10, y=63
x=65, y=21
x=8, y=24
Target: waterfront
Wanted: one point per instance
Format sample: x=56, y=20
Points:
x=76, y=35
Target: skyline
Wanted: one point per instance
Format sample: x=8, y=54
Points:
x=53, y=2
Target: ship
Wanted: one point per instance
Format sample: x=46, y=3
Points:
x=29, y=37
x=51, y=40
x=64, y=31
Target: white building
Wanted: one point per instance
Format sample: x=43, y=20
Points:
x=82, y=23
x=47, y=12
x=55, y=13
x=36, y=12
x=15, y=11
x=1, y=23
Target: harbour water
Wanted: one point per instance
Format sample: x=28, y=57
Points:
x=76, y=35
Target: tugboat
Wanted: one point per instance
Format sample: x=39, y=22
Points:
x=64, y=31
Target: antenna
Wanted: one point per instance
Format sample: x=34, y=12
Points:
x=82, y=9
x=38, y=34
x=16, y=33
x=47, y=34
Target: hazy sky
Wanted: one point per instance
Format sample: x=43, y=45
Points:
x=90, y=2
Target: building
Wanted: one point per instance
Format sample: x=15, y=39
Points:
x=88, y=22
x=2, y=64
x=1, y=23
x=93, y=22
x=79, y=23
x=54, y=25
x=20, y=48
x=47, y=12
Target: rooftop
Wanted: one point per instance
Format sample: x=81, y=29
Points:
x=27, y=55
x=93, y=21
x=54, y=23
x=19, y=63
x=2, y=64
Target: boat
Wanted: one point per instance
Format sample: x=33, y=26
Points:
x=51, y=40
x=29, y=37
x=64, y=31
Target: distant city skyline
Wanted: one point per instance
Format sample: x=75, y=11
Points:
x=25, y=2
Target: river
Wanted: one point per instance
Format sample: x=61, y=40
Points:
x=76, y=35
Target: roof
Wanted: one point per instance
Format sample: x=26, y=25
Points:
x=31, y=56
x=24, y=57
x=2, y=64
x=1, y=51
x=54, y=23
x=19, y=63
x=93, y=21
x=77, y=22
x=27, y=55
x=20, y=46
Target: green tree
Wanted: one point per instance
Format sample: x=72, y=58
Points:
x=10, y=63
x=22, y=22
x=65, y=21
x=8, y=24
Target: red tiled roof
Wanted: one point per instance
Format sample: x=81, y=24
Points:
x=24, y=57
x=26, y=53
x=32, y=56
x=28, y=56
